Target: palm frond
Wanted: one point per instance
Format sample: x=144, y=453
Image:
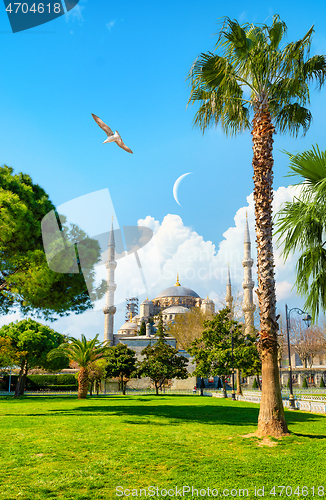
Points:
x=292, y=118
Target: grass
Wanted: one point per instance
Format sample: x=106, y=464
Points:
x=62, y=448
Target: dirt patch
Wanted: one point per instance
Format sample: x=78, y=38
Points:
x=266, y=442
x=253, y=434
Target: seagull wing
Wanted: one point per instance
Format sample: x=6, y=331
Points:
x=123, y=146
x=103, y=125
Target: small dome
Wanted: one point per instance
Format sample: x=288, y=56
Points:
x=129, y=325
x=175, y=310
x=208, y=301
x=146, y=302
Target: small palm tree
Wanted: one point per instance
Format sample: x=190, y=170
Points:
x=302, y=227
x=255, y=84
x=84, y=352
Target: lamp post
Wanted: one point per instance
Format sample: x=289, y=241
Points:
x=233, y=392
x=307, y=320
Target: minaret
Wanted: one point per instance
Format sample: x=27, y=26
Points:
x=109, y=308
x=229, y=298
x=248, y=305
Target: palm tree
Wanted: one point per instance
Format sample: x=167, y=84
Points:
x=84, y=353
x=302, y=227
x=255, y=79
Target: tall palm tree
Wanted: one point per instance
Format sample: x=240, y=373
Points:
x=257, y=85
x=84, y=352
x=302, y=227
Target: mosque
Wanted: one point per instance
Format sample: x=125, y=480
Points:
x=171, y=302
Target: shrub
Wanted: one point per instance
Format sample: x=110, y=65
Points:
x=304, y=383
x=322, y=383
x=35, y=382
x=255, y=385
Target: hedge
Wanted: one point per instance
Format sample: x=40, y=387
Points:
x=64, y=382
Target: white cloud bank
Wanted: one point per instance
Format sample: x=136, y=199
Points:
x=202, y=266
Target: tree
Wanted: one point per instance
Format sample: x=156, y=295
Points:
x=213, y=350
x=96, y=373
x=302, y=224
x=8, y=354
x=187, y=327
x=142, y=330
x=121, y=362
x=306, y=342
x=277, y=81
x=161, y=361
x=31, y=342
x=83, y=352
x=27, y=284
x=322, y=383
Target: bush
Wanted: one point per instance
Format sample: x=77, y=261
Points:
x=304, y=383
x=64, y=382
x=322, y=383
x=255, y=385
x=288, y=385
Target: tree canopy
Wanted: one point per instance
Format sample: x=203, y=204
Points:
x=31, y=342
x=27, y=284
x=161, y=361
x=212, y=351
x=121, y=362
x=83, y=352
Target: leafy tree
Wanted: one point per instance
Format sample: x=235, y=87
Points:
x=31, y=342
x=302, y=224
x=161, y=361
x=83, y=352
x=142, y=330
x=8, y=354
x=252, y=61
x=96, y=373
x=187, y=327
x=213, y=350
x=26, y=282
x=121, y=362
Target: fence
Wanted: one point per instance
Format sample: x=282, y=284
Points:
x=316, y=404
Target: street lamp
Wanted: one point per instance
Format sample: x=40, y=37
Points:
x=307, y=320
x=233, y=393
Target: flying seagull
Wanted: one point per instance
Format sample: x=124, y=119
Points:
x=112, y=137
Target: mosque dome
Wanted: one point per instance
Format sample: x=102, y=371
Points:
x=146, y=302
x=208, y=301
x=176, y=310
x=177, y=291
x=129, y=325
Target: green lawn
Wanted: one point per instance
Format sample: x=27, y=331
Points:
x=62, y=448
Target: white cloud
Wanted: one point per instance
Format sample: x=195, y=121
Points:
x=110, y=24
x=202, y=266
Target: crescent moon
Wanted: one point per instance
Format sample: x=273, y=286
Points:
x=176, y=186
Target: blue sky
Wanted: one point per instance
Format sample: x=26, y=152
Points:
x=127, y=62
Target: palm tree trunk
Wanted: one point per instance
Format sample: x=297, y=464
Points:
x=82, y=383
x=271, y=419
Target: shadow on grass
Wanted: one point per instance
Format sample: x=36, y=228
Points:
x=146, y=408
